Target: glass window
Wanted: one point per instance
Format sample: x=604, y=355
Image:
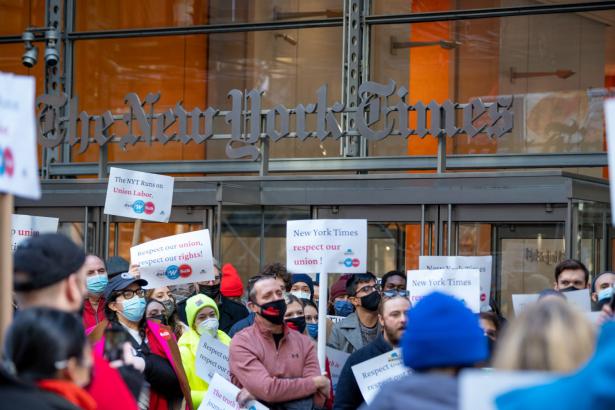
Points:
x=423, y=6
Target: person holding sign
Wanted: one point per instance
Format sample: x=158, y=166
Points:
x=96, y=282
x=392, y=318
x=361, y=327
x=269, y=361
x=203, y=317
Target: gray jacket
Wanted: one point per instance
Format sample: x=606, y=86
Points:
x=417, y=391
x=346, y=335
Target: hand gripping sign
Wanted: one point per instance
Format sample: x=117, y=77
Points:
x=139, y=195
x=175, y=260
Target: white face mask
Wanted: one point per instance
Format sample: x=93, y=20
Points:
x=300, y=294
x=209, y=326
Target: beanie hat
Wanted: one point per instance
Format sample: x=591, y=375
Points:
x=44, y=260
x=302, y=277
x=338, y=288
x=231, y=285
x=442, y=332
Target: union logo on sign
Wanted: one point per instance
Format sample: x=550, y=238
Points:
x=149, y=208
x=172, y=272
x=185, y=271
x=138, y=206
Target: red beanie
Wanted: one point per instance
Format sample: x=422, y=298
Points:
x=339, y=287
x=231, y=285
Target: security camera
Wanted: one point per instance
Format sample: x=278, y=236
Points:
x=30, y=56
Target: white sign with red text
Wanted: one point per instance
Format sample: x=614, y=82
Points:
x=326, y=245
x=175, y=260
x=18, y=163
x=139, y=195
x=337, y=360
x=463, y=284
x=222, y=395
x=373, y=373
x=27, y=226
x=212, y=356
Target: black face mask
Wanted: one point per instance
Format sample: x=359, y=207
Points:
x=160, y=318
x=213, y=291
x=273, y=311
x=569, y=289
x=371, y=301
x=296, y=323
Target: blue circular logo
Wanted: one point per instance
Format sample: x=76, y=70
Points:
x=348, y=262
x=138, y=206
x=172, y=272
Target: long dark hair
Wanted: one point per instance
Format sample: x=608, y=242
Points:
x=40, y=339
x=111, y=315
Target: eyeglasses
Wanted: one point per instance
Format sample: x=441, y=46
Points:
x=369, y=289
x=129, y=294
x=396, y=292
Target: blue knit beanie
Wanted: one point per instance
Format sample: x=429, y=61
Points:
x=442, y=332
x=302, y=277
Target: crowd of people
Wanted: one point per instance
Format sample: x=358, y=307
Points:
x=90, y=334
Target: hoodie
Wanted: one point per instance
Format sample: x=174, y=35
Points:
x=189, y=344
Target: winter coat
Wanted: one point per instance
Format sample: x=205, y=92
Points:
x=346, y=335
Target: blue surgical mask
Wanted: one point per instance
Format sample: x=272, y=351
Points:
x=134, y=308
x=312, y=329
x=96, y=284
x=343, y=308
x=301, y=295
x=606, y=293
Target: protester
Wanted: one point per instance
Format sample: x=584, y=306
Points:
x=302, y=286
x=338, y=298
x=281, y=275
x=269, y=361
x=49, y=272
x=231, y=311
x=116, y=265
x=392, y=318
x=570, y=275
x=602, y=288
x=549, y=335
x=442, y=337
x=491, y=325
x=231, y=285
x=394, y=284
x=48, y=348
x=154, y=345
x=360, y=327
x=310, y=310
x=203, y=317
x=165, y=296
x=155, y=311
x=294, y=317
x=589, y=389
x=96, y=281
x=316, y=295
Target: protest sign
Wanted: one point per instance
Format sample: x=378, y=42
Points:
x=521, y=301
x=478, y=389
x=18, y=163
x=579, y=298
x=222, y=395
x=326, y=245
x=27, y=226
x=139, y=195
x=335, y=319
x=482, y=263
x=609, y=121
x=464, y=284
x=174, y=260
x=211, y=358
x=337, y=359
x=373, y=373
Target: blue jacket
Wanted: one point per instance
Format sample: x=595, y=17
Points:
x=347, y=393
x=591, y=388
x=242, y=324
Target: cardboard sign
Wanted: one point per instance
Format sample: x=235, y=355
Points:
x=26, y=226
x=373, y=373
x=174, y=260
x=337, y=359
x=579, y=298
x=139, y=195
x=326, y=245
x=222, y=395
x=609, y=120
x=18, y=163
x=478, y=389
x=464, y=284
x=212, y=357
x=482, y=263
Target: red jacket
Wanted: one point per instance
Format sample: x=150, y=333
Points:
x=108, y=388
x=274, y=375
x=90, y=317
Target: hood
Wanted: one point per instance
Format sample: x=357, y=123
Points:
x=197, y=302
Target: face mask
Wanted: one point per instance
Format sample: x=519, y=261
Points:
x=313, y=330
x=371, y=301
x=273, y=311
x=213, y=291
x=296, y=323
x=569, y=289
x=160, y=319
x=133, y=309
x=209, y=326
x=604, y=296
x=343, y=308
x=96, y=284
x=169, y=307
x=300, y=295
